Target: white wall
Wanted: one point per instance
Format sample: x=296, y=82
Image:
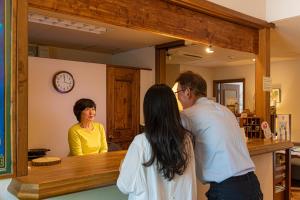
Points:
x=285, y=75
x=50, y=114
x=281, y=9
x=144, y=58
x=254, y=8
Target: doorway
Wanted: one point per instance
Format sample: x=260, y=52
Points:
x=230, y=93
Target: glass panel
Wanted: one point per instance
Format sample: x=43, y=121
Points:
x=5, y=142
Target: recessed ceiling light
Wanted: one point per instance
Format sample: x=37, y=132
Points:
x=65, y=23
x=209, y=49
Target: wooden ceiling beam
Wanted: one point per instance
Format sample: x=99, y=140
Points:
x=159, y=16
x=224, y=13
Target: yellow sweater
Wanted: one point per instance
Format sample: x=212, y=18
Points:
x=83, y=141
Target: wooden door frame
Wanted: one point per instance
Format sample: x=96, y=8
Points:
x=183, y=19
x=216, y=82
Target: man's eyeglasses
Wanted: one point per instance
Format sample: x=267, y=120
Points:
x=179, y=91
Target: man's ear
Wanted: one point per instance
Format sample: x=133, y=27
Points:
x=188, y=93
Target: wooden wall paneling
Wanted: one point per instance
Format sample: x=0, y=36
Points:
x=159, y=16
x=20, y=73
x=262, y=68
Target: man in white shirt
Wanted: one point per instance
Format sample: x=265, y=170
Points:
x=222, y=157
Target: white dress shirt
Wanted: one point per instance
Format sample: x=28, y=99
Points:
x=145, y=183
x=220, y=149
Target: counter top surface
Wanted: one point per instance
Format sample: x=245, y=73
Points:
x=79, y=173
x=73, y=174
x=261, y=146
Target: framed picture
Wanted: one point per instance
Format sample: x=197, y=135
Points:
x=275, y=95
x=283, y=126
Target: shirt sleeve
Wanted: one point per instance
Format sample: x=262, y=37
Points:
x=186, y=122
x=103, y=142
x=74, y=143
x=130, y=170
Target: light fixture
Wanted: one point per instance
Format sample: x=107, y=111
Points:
x=253, y=59
x=209, y=49
x=65, y=23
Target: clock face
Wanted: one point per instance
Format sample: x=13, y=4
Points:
x=63, y=81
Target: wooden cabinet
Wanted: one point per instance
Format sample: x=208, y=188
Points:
x=282, y=175
x=251, y=126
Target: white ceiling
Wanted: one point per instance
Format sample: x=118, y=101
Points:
x=285, y=43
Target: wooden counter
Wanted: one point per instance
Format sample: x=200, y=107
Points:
x=260, y=146
x=73, y=174
x=79, y=173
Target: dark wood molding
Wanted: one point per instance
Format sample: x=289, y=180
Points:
x=159, y=16
x=160, y=65
x=169, y=45
x=224, y=13
x=288, y=184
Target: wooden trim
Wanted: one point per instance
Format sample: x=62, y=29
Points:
x=287, y=174
x=20, y=93
x=260, y=146
x=159, y=16
x=128, y=67
x=170, y=45
x=296, y=143
x=224, y=13
x=160, y=65
x=262, y=69
x=160, y=59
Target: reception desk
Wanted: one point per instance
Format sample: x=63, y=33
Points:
x=81, y=173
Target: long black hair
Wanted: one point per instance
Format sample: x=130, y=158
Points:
x=165, y=132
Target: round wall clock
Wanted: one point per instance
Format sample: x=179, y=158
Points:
x=63, y=81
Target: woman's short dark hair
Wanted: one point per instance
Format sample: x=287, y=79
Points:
x=193, y=81
x=165, y=132
x=82, y=104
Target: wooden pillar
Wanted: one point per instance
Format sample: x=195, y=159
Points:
x=262, y=69
x=20, y=86
x=160, y=65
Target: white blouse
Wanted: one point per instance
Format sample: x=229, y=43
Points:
x=145, y=183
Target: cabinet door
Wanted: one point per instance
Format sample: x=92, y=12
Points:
x=123, y=103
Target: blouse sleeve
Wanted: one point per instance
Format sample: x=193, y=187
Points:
x=129, y=170
x=103, y=142
x=74, y=143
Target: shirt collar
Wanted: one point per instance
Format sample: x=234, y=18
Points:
x=201, y=100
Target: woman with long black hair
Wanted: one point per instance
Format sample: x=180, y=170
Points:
x=159, y=163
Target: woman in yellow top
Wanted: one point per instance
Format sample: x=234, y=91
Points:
x=87, y=136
